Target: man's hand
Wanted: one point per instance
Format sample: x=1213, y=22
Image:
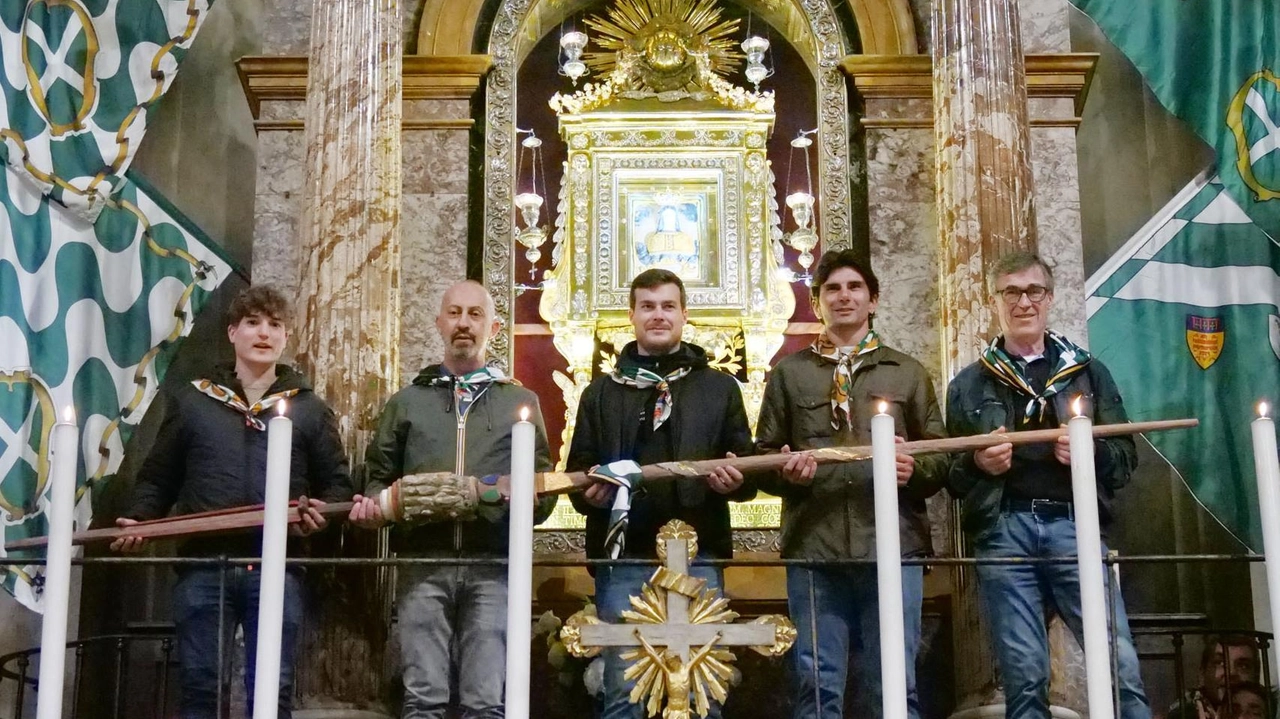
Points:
x=906, y=464
x=725, y=478
x=800, y=467
x=366, y=512
x=310, y=520
x=996, y=460
x=1062, y=449
x=129, y=545
x=600, y=494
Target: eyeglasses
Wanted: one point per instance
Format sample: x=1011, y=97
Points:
x=1012, y=295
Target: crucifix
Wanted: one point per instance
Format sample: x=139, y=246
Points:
x=678, y=632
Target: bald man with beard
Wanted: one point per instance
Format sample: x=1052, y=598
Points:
x=460, y=402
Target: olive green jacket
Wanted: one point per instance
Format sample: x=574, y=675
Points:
x=834, y=517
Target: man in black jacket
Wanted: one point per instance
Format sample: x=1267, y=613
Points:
x=211, y=453
x=1018, y=502
x=661, y=403
x=456, y=417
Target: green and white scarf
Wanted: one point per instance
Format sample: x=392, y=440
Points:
x=250, y=412
x=467, y=388
x=644, y=379
x=1071, y=360
x=847, y=362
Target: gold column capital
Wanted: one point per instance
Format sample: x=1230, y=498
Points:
x=284, y=77
x=895, y=77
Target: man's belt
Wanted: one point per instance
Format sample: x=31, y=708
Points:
x=1044, y=508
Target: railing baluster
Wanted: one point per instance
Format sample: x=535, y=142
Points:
x=24, y=662
x=75, y=688
x=166, y=651
x=119, y=698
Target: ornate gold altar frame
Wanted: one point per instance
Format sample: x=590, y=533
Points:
x=505, y=38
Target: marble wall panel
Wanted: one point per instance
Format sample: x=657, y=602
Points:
x=904, y=241
x=287, y=30
x=433, y=109
x=1053, y=162
x=1046, y=26
x=433, y=230
x=278, y=210
x=435, y=161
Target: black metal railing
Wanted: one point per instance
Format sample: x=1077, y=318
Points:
x=21, y=667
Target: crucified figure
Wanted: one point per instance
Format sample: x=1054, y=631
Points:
x=677, y=675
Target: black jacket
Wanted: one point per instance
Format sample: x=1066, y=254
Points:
x=206, y=458
x=418, y=433
x=707, y=421
x=978, y=403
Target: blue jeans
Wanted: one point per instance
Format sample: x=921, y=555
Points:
x=197, y=612
x=1015, y=597
x=446, y=612
x=834, y=609
x=614, y=588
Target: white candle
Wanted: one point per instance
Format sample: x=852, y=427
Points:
x=1093, y=600
x=520, y=568
x=64, y=451
x=893, y=658
x=1266, y=464
x=275, y=529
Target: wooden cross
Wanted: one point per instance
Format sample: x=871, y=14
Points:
x=677, y=614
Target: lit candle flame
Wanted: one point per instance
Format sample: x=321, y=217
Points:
x=1262, y=409
x=280, y=408
x=69, y=414
x=1076, y=408
x=882, y=407
x=524, y=414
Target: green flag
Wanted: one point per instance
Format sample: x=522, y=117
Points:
x=1187, y=317
x=99, y=277
x=1212, y=63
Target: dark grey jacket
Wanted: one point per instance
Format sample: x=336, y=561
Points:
x=834, y=517
x=418, y=432
x=978, y=403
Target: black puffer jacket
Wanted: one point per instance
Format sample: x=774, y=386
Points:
x=207, y=458
x=707, y=421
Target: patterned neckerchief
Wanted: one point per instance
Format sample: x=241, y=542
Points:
x=633, y=376
x=467, y=388
x=847, y=362
x=1071, y=360
x=250, y=412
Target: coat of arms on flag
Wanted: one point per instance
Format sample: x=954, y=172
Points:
x=99, y=277
x=1204, y=338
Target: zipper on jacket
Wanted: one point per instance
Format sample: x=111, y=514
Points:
x=460, y=451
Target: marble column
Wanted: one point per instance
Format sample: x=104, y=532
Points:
x=350, y=305
x=983, y=159
x=985, y=199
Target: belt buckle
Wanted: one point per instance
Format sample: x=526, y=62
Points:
x=1052, y=508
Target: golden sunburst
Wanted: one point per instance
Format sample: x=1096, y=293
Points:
x=667, y=36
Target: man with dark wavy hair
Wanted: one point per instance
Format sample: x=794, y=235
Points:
x=824, y=396
x=210, y=453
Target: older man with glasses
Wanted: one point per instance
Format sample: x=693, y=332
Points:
x=1017, y=502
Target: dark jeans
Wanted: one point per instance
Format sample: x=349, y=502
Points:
x=200, y=601
x=836, y=609
x=614, y=588
x=1014, y=597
